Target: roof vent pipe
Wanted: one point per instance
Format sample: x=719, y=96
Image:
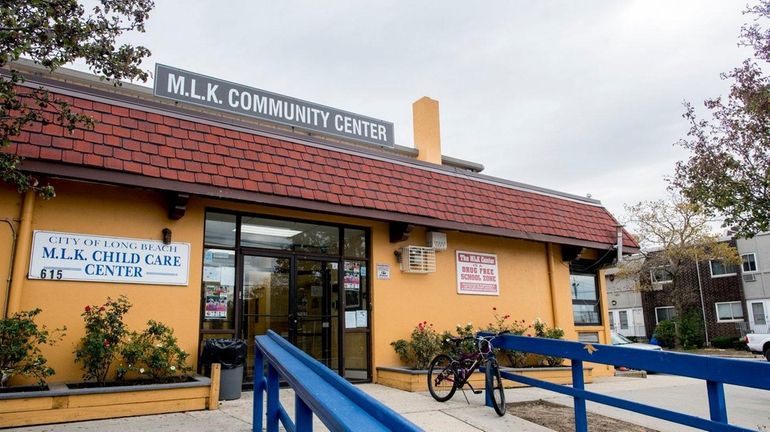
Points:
x=427, y=130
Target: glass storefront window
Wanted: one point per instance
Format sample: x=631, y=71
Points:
x=287, y=235
x=218, y=289
x=220, y=230
x=585, y=299
x=355, y=243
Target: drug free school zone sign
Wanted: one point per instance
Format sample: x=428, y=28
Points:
x=83, y=257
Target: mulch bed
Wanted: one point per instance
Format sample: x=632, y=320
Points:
x=562, y=418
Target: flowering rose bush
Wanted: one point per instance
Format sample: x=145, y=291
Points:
x=153, y=353
x=501, y=323
x=20, y=340
x=424, y=344
x=104, y=333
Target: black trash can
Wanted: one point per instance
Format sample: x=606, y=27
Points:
x=231, y=354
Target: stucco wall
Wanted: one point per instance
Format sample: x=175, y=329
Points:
x=398, y=304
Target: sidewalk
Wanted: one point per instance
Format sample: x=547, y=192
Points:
x=746, y=407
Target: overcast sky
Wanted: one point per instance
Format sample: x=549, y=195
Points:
x=582, y=97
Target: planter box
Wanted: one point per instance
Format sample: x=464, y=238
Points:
x=417, y=380
x=61, y=404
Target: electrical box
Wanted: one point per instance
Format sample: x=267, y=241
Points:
x=436, y=240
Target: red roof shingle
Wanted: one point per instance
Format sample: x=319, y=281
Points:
x=161, y=146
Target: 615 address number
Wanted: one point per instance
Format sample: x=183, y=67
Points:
x=53, y=274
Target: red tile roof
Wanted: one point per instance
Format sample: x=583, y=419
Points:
x=163, y=146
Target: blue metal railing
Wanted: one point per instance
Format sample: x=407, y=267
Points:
x=716, y=372
x=318, y=390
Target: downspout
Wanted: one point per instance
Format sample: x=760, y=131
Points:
x=620, y=243
x=10, y=267
x=702, y=303
x=552, y=283
x=23, y=244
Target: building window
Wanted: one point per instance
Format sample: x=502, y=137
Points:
x=661, y=275
x=749, y=262
x=588, y=337
x=729, y=311
x=585, y=299
x=623, y=320
x=720, y=269
x=664, y=313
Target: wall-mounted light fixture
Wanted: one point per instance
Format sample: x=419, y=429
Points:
x=166, y=236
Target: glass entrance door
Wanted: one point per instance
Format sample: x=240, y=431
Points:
x=296, y=298
x=265, y=300
x=317, y=314
x=758, y=317
x=305, y=280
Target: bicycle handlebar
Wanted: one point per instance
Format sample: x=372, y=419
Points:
x=457, y=340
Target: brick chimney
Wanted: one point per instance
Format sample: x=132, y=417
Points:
x=427, y=130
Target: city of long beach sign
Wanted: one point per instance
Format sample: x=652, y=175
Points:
x=197, y=89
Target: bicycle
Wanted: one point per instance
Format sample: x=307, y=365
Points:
x=447, y=374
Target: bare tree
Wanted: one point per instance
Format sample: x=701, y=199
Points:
x=673, y=234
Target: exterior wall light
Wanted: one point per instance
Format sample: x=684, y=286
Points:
x=166, y=236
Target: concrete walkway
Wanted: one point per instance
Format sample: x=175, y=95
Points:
x=746, y=407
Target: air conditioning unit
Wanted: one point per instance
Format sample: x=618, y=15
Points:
x=749, y=277
x=418, y=259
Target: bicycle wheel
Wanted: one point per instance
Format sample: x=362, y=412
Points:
x=441, y=378
x=495, y=384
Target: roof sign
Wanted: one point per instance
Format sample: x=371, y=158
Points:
x=197, y=89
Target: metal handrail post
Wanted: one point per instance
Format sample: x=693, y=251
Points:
x=259, y=390
x=303, y=415
x=581, y=418
x=717, y=405
x=273, y=403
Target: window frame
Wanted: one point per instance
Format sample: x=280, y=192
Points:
x=733, y=319
x=711, y=270
x=597, y=302
x=657, y=308
x=654, y=281
x=620, y=319
x=753, y=260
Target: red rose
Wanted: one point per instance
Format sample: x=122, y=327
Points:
x=494, y=308
x=88, y=308
x=101, y=308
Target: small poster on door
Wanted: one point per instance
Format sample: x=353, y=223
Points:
x=216, y=307
x=362, y=318
x=352, y=283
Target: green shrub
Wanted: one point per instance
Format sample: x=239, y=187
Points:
x=740, y=345
x=463, y=331
x=542, y=330
x=691, y=334
x=153, y=353
x=105, y=331
x=723, y=342
x=20, y=340
x=419, y=350
x=665, y=333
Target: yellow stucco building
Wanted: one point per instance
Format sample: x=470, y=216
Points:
x=224, y=224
